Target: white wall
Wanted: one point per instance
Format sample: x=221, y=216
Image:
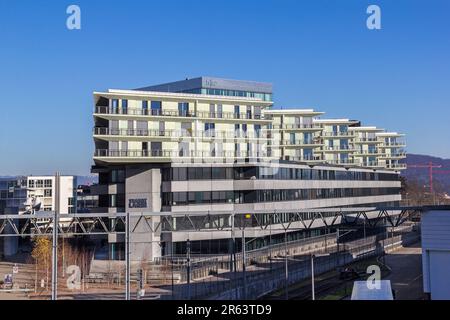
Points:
x=436, y=253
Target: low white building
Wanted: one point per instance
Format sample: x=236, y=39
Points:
x=16, y=192
x=436, y=252
x=44, y=187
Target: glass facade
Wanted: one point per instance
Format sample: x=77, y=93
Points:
x=267, y=173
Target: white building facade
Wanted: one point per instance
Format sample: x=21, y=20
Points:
x=209, y=144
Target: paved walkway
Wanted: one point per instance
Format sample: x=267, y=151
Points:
x=406, y=275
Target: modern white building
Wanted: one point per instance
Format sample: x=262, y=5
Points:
x=209, y=144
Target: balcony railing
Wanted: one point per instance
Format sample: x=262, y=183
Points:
x=362, y=140
x=372, y=164
x=394, y=144
x=367, y=152
x=297, y=126
x=304, y=158
x=175, y=113
x=142, y=112
x=174, y=154
x=338, y=148
x=299, y=142
x=238, y=134
x=230, y=115
x=398, y=166
x=341, y=162
x=395, y=155
x=338, y=134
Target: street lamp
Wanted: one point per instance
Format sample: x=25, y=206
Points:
x=312, y=272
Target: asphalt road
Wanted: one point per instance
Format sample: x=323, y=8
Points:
x=406, y=275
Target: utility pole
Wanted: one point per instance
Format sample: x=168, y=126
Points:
x=312, y=278
x=337, y=244
x=188, y=267
x=243, y=264
x=127, y=258
x=286, y=270
x=55, y=238
x=171, y=266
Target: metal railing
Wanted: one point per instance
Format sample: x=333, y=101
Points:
x=368, y=152
x=102, y=131
x=339, y=148
x=174, y=154
x=177, y=113
x=346, y=134
x=297, y=126
x=397, y=166
x=299, y=142
x=394, y=144
x=368, y=140
x=343, y=161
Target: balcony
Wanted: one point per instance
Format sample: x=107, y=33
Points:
x=176, y=134
x=397, y=166
x=299, y=127
x=346, y=134
x=394, y=144
x=367, y=140
x=169, y=154
x=141, y=112
x=395, y=155
x=104, y=110
x=293, y=143
x=309, y=159
x=372, y=164
x=347, y=162
x=230, y=115
x=368, y=152
x=343, y=148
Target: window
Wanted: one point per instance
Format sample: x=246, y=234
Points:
x=31, y=184
x=47, y=192
x=244, y=129
x=218, y=173
x=249, y=112
x=124, y=106
x=210, y=129
x=184, y=149
x=292, y=138
x=183, y=109
x=308, y=154
x=237, y=112
x=117, y=176
x=39, y=183
x=156, y=149
x=115, y=106
x=156, y=108
x=308, y=138
x=145, y=107
x=236, y=130
x=48, y=183
x=257, y=128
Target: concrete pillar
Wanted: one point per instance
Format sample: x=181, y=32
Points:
x=143, y=194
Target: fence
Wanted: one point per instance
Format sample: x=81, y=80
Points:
x=269, y=279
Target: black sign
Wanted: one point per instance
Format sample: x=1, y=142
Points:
x=137, y=203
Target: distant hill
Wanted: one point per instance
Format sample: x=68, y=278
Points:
x=422, y=174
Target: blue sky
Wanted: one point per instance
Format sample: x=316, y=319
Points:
x=317, y=53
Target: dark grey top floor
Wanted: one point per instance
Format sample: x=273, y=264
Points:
x=190, y=85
